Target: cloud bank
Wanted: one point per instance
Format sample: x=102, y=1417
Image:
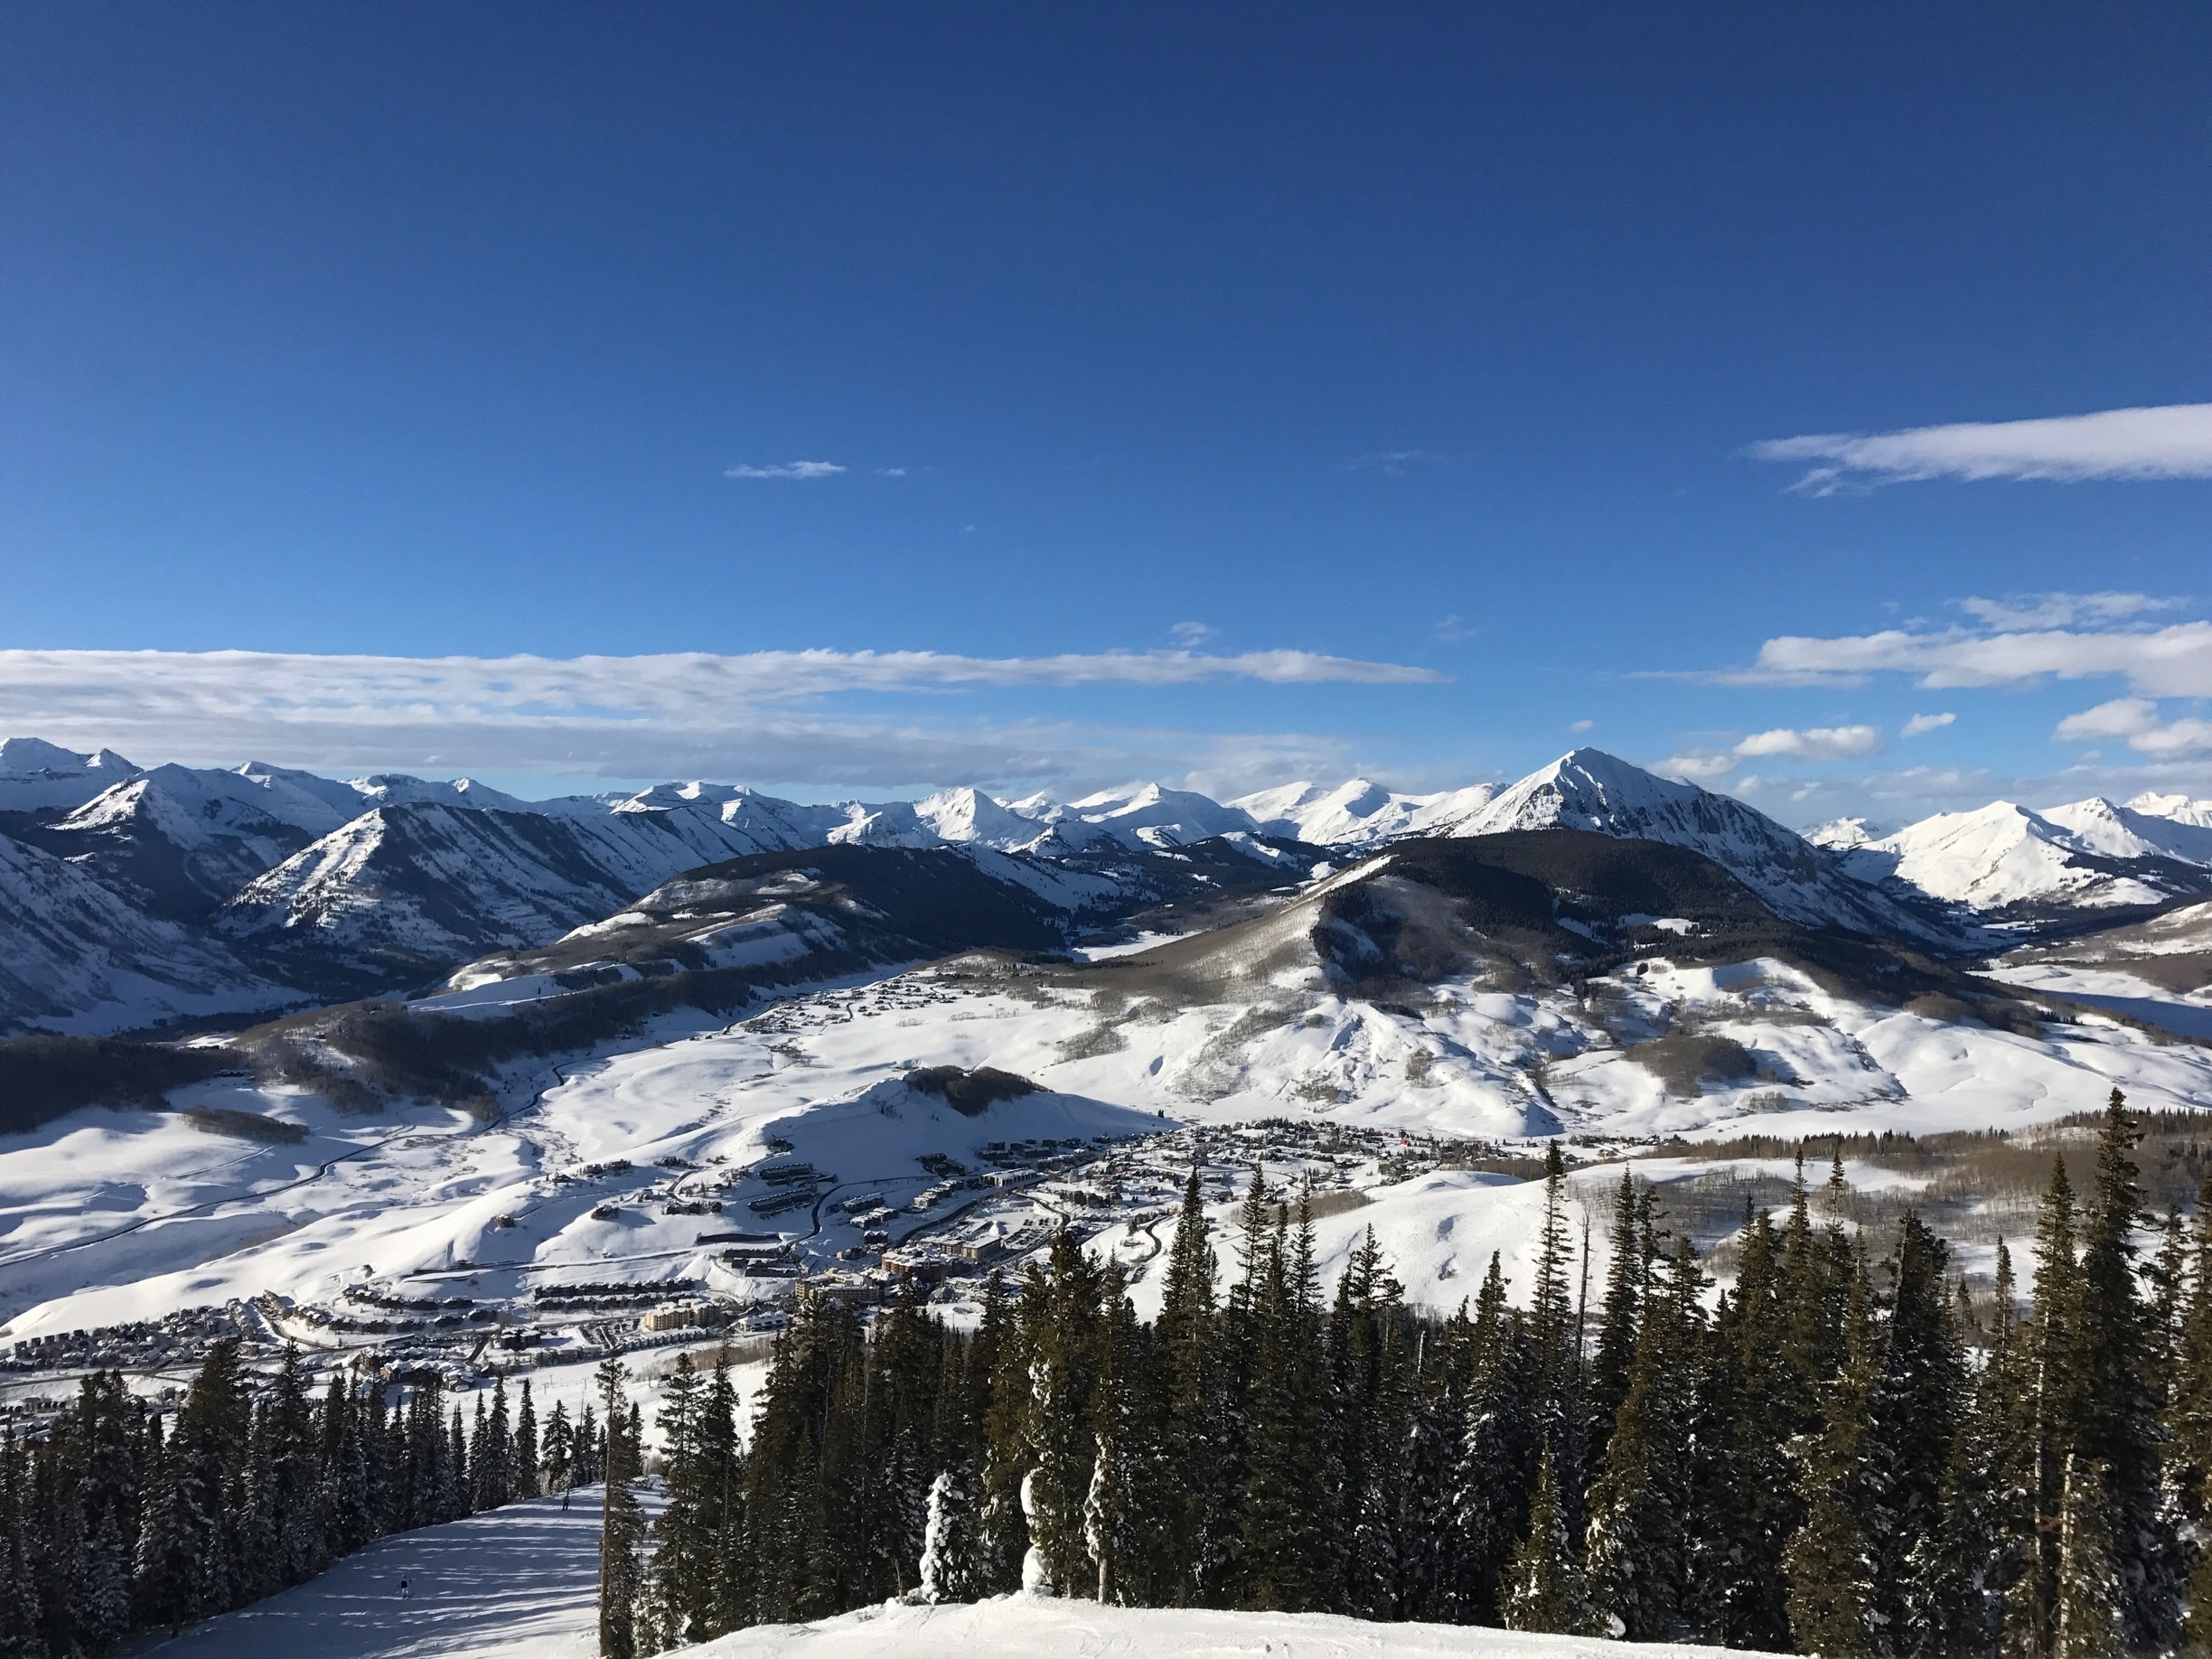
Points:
x=2175, y=661
x=760, y=715
x=2170, y=441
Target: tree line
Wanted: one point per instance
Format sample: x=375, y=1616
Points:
x=1833, y=1454
x=117, y=1520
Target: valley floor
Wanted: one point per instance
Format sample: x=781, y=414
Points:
x=423, y=1235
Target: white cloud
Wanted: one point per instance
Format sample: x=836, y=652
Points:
x=1394, y=463
x=889, y=472
x=691, y=714
x=2172, y=441
x=1696, y=765
x=1815, y=743
x=1190, y=635
x=2026, y=612
x=2136, y=718
x=2175, y=661
x=1921, y=724
x=1580, y=725
x=787, y=469
x=1451, y=629
x=2124, y=717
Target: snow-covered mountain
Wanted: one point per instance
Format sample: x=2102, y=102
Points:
x=1359, y=814
x=413, y=887
x=2180, y=808
x=78, y=958
x=36, y=775
x=2005, y=858
x=382, y=881
x=1591, y=790
x=176, y=842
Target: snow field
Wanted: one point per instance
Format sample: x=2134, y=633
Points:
x=1029, y=1626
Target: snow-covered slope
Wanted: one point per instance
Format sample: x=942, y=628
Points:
x=1359, y=814
x=173, y=841
x=2124, y=832
x=967, y=815
x=78, y=959
x=1029, y=1626
x=1143, y=815
x=36, y=775
x=2180, y=809
x=407, y=887
x=1591, y=790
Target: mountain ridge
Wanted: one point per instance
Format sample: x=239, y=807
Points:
x=289, y=886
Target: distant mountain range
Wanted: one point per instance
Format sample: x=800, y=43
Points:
x=2005, y=862
x=130, y=897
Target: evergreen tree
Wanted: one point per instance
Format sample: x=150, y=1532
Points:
x=685, y=1556
x=1002, y=1361
x=1282, y=1531
x=555, y=1457
x=1640, y=1504
x=1545, y=1589
x=525, y=1462
x=2048, y=1424
x=951, y=1550
x=1959, y=1576
x=1060, y=1320
x=1494, y=1473
x=1626, y=1274
x=2092, y=1614
x=622, y=1526
x=1189, y=1342
x=1747, y=1417
x=2117, y=1401
x=1113, y=1526
x=1832, y=1592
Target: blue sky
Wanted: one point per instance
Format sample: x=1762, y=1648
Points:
x=1388, y=380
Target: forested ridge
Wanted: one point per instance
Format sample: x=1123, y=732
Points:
x=1834, y=1453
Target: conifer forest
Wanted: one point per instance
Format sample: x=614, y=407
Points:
x=1837, y=1451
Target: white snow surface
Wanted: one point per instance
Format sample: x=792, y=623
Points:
x=1029, y=1626
x=519, y=1582
x=2180, y=809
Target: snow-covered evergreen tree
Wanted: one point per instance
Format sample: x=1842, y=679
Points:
x=1545, y=1590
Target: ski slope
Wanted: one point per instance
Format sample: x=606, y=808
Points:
x=520, y=1583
